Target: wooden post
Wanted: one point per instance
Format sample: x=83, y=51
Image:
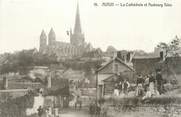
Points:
x=96, y=88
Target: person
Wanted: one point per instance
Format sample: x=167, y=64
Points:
x=146, y=83
x=120, y=87
x=148, y=94
x=159, y=80
x=139, y=82
x=40, y=111
x=98, y=110
x=152, y=84
x=104, y=109
x=116, y=90
x=125, y=86
x=78, y=101
x=91, y=108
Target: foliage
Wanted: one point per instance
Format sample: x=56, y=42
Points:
x=23, y=60
x=16, y=107
x=111, y=49
x=170, y=48
x=171, y=56
x=86, y=66
x=94, y=54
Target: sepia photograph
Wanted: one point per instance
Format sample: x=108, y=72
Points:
x=90, y=58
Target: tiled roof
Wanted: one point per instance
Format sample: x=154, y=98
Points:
x=116, y=58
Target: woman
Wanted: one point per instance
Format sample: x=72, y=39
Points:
x=152, y=84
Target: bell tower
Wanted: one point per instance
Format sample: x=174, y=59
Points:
x=51, y=37
x=43, y=41
x=77, y=38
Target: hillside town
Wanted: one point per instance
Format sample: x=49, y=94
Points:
x=71, y=79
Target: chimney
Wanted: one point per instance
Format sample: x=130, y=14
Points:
x=5, y=83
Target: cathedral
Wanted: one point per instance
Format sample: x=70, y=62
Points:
x=76, y=47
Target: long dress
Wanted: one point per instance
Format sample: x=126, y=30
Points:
x=151, y=87
x=116, y=92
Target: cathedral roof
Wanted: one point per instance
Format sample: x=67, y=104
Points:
x=62, y=44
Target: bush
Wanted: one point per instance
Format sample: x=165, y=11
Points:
x=16, y=107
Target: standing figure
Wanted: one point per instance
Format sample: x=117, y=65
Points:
x=98, y=110
x=40, y=111
x=152, y=84
x=125, y=87
x=78, y=102
x=104, y=109
x=159, y=80
x=116, y=90
x=139, y=82
x=146, y=83
x=91, y=108
x=120, y=87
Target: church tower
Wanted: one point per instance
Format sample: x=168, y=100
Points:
x=77, y=38
x=51, y=37
x=43, y=41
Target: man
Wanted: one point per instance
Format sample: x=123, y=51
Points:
x=91, y=108
x=40, y=111
x=159, y=80
x=139, y=82
x=78, y=102
x=120, y=87
x=125, y=86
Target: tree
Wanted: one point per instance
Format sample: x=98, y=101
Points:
x=23, y=61
x=170, y=48
x=111, y=49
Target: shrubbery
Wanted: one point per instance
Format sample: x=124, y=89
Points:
x=17, y=107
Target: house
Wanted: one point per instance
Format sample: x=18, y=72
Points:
x=112, y=72
x=146, y=64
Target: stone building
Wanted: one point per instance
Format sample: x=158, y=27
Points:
x=111, y=73
x=76, y=47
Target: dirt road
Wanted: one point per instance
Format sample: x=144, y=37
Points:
x=75, y=114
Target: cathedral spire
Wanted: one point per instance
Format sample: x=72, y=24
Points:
x=43, y=41
x=43, y=35
x=77, y=27
x=51, y=37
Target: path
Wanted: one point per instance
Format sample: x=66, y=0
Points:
x=75, y=114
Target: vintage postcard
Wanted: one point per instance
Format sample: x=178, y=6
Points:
x=90, y=58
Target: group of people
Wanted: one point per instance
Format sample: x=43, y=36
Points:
x=121, y=87
x=146, y=86
x=47, y=112
x=149, y=85
x=98, y=109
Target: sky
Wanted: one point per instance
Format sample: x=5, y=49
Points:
x=130, y=28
